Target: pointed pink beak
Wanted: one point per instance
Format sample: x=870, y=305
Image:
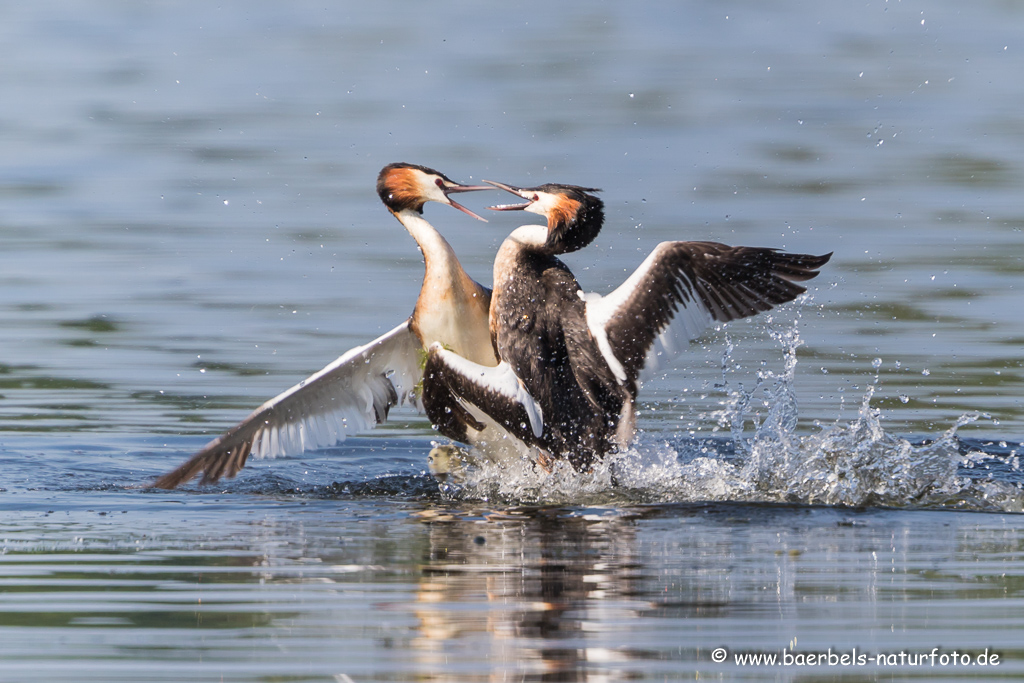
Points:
x=454, y=189
x=512, y=189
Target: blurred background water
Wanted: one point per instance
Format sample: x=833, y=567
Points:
x=188, y=225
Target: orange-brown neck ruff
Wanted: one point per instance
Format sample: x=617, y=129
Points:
x=562, y=212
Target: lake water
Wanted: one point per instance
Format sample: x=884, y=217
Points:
x=188, y=225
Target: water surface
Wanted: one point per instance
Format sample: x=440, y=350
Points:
x=189, y=225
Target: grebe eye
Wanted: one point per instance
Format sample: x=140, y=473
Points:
x=439, y=183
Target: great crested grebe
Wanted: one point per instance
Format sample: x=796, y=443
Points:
x=571, y=362
x=356, y=391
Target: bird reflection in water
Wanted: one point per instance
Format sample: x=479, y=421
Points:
x=534, y=588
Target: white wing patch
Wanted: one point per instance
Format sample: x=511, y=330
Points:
x=687, y=325
x=348, y=396
x=351, y=394
x=599, y=311
x=688, y=322
x=500, y=380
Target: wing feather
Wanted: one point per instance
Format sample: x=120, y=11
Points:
x=350, y=395
x=681, y=289
x=496, y=391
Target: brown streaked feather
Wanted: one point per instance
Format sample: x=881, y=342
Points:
x=213, y=461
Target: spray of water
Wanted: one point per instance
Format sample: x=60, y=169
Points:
x=855, y=463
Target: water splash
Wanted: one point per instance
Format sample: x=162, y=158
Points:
x=856, y=463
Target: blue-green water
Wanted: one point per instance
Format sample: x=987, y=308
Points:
x=188, y=225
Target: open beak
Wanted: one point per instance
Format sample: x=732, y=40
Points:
x=455, y=189
x=518, y=191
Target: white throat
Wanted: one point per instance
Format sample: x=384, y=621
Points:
x=530, y=235
x=425, y=234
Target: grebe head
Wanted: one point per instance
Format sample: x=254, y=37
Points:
x=574, y=215
x=407, y=187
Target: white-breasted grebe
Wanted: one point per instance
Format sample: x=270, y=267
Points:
x=571, y=362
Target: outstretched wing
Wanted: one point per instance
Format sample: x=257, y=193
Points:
x=683, y=288
x=495, y=391
x=350, y=395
